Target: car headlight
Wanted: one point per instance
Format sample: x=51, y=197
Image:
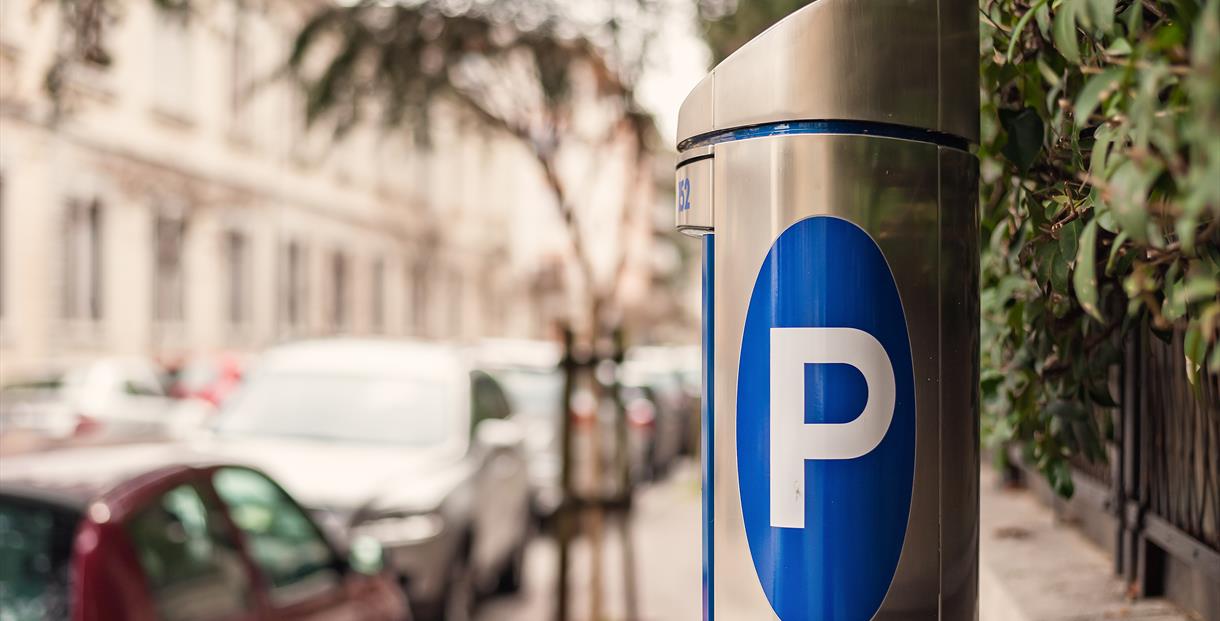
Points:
x=402, y=530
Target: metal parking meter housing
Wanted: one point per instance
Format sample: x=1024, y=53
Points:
x=827, y=166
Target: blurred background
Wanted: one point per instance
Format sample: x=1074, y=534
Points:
x=370, y=309
x=391, y=255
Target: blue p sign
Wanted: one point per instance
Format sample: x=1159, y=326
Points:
x=825, y=423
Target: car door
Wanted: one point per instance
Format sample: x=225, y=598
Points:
x=192, y=565
x=502, y=508
x=303, y=576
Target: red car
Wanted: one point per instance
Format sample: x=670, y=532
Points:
x=208, y=378
x=137, y=533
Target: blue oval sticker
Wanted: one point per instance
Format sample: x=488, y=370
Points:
x=825, y=423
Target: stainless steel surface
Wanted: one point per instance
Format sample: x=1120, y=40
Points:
x=695, y=116
x=693, y=153
x=694, y=192
x=890, y=188
x=959, y=368
x=907, y=62
x=959, y=69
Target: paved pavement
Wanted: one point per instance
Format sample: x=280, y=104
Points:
x=666, y=525
x=1033, y=568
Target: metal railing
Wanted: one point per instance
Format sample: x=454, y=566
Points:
x=1156, y=503
x=1167, y=469
x=1180, y=444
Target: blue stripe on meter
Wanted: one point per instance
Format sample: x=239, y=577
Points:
x=708, y=426
x=830, y=126
x=825, y=423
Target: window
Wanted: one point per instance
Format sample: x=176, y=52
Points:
x=35, y=560
x=190, y=560
x=241, y=76
x=399, y=406
x=456, y=297
x=338, y=281
x=377, y=317
x=487, y=398
x=12, y=20
x=168, y=291
x=172, y=63
x=236, y=259
x=3, y=244
x=293, y=280
x=82, y=260
x=284, y=543
x=419, y=296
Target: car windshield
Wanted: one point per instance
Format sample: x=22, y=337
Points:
x=345, y=408
x=35, y=548
x=533, y=392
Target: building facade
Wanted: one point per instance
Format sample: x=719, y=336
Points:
x=171, y=200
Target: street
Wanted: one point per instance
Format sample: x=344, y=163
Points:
x=668, y=572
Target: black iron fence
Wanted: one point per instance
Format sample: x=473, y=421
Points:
x=1170, y=458
x=1156, y=503
x=1179, y=433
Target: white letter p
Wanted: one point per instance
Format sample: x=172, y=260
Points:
x=792, y=440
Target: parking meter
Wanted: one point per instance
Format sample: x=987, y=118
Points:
x=827, y=166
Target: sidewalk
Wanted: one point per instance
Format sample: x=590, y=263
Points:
x=668, y=553
x=1030, y=567
x=1034, y=569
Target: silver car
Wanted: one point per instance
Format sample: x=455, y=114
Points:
x=405, y=442
x=530, y=374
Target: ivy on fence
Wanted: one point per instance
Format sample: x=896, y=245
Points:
x=1100, y=202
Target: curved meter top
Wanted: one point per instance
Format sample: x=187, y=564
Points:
x=910, y=63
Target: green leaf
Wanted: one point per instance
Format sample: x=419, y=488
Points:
x=1060, y=272
x=1101, y=13
x=1046, y=256
x=1194, y=345
x=1019, y=29
x=1130, y=188
x=1120, y=47
x=1095, y=91
x=1197, y=288
x=1064, y=32
x=1115, y=246
x=1025, y=134
x=1060, y=477
x=1084, y=279
x=1069, y=238
x=1044, y=21
x=1100, y=394
x=1185, y=230
x=1133, y=18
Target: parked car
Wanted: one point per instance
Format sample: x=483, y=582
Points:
x=530, y=374
x=667, y=372
x=404, y=442
x=210, y=378
x=144, y=532
x=113, y=398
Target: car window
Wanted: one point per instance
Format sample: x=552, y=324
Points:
x=389, y=408
x=142, y=380
x=35, y=548
x=533, y=392
x=192, y=565
x=286, y=545
x=487, y=398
